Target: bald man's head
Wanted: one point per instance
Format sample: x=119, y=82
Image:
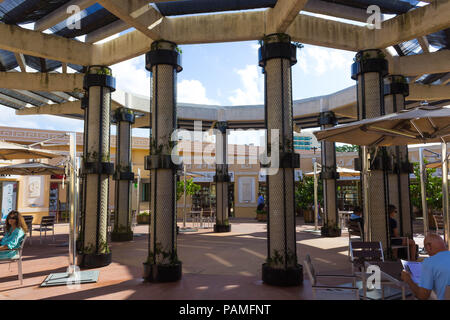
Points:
x=433, y=244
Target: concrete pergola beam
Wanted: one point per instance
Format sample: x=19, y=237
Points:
x=415, y=23
x=60, y=14
x=428, y=92
x=106, y=31
x=418, y=64
x=72, y=107
x=37, y=44
x=283, y=14
x=136, y=13
x=41, y=81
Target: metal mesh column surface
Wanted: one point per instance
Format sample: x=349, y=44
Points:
x=94, y=251
x=329, y=175
x=395, y=90
x=222, y=179
x=123, y=176
x=277, y=55
x=369, y=69
x=163, y=265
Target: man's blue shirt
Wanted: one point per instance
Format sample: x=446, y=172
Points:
x=435, y=273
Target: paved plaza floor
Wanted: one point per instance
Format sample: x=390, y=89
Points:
x=218, y=266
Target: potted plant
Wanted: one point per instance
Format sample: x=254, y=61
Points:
x=143, y=217
x=304, y=197
x=261, y=215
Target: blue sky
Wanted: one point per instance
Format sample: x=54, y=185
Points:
x=219, y=74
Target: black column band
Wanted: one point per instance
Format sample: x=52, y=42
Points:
x=99, y=80
x=396, y=88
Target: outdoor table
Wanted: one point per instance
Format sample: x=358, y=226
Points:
x=390, y=274
x=344, y=216
x=197, y=215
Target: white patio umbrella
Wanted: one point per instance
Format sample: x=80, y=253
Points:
x=420, y=125
x=343, y=172
x=31, y=168
x=12, y=151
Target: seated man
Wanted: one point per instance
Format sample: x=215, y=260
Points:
x=393, y=233
x=357, y=215
x=435, y=273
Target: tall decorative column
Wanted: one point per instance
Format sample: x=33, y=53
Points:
x=329, y=176
x=163, y=61
x=395, y=90
x=276, y=56
x=123, y=176
x=222, y=180
x=369, y=69
x=94, y=251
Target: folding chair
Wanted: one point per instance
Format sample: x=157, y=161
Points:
x=337, y=292
x=17, y=258
x=400, y=246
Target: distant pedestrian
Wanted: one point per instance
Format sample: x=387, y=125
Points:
x=261, y=202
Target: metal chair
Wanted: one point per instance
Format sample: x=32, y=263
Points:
x=47, y=223
x=439, y=222
x=336, y=292
x=354, y=229
x=400, y=246
x=17, y=258
x=29, y=223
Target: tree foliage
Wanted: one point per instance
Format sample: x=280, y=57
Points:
x=433, y=187
x=191, y=188
x=347, y=148
x=304, y=193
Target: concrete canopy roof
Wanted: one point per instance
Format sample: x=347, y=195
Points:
x=420, y=37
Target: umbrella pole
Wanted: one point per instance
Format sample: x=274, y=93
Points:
x=423, y=192
x=365, y=188
x=445, y=204
x=73, y=204
x=316, y=209
x=184, y=187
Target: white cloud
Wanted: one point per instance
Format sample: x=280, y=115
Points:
x=323, y=60
x=252, y=87
x=131, y=76
x=193, y=91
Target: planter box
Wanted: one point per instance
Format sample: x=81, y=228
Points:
x=330, y=233
x=308, y=216
x=262, y=217
x=143, y=219
x=162, y=273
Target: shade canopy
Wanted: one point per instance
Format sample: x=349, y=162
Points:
x=343, y=172
x=420, y=125
x=12, y=151
x=31, y=168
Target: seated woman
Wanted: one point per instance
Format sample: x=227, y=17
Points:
x=15, y=230
x=393, y=233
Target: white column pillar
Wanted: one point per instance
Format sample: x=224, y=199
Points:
x=123, y=176
x=163, y=60
x=97, y=168
x=369, y=69
x=329, y=176
x=277, y=55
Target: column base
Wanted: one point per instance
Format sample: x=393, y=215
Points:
x=222, y=228
x=92, y=260
x=121, y=236
x=330, y=232
x=282, y=277
x=162, y=272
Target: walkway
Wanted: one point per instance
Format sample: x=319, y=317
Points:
x=215, y=266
